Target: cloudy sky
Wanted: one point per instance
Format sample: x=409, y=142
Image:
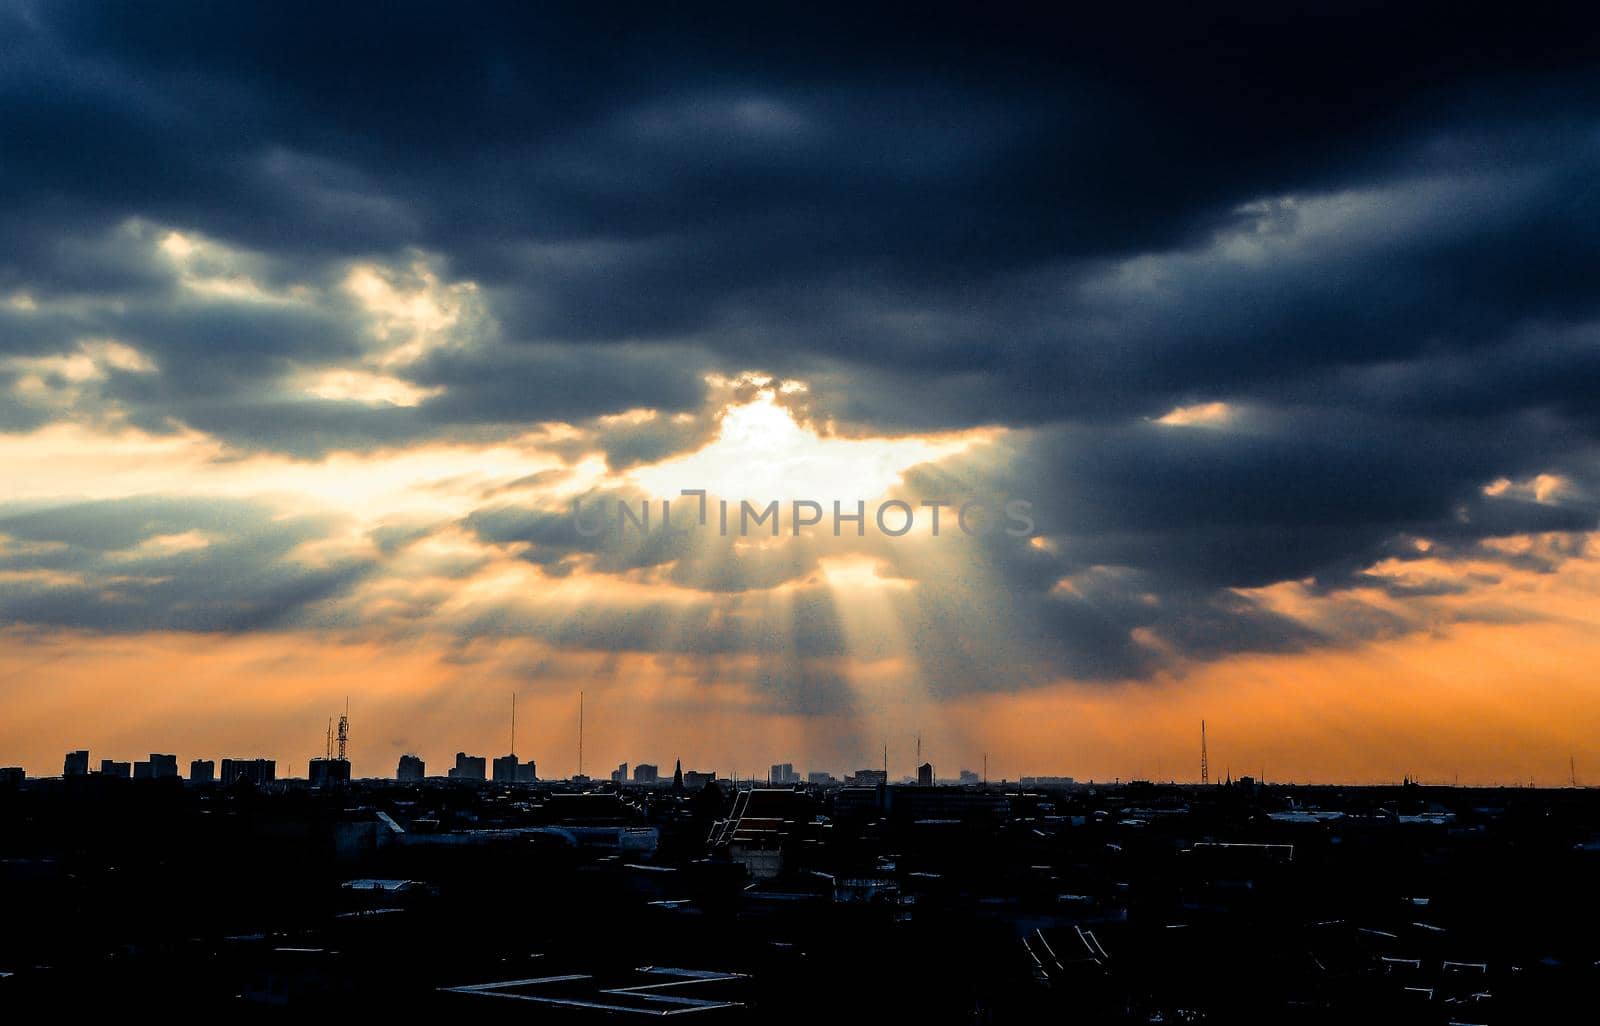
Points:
x=314, y=323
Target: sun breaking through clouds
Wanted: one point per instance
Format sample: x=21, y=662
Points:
x=305, y=359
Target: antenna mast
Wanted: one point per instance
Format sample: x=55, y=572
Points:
x=1205, y=765
x=513, y=723
x=580, y=733
x=344, y=731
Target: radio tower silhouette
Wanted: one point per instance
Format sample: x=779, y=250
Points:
x=1205, y=765
x=344, y=732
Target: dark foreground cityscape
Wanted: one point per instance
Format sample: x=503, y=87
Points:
x=860, y=900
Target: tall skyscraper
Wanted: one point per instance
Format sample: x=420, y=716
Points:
x=157, y=767
x=505, y=769
x=411, y=768
x=468, y=767
x=329, y=772
x=77, y=764
x=252, y=771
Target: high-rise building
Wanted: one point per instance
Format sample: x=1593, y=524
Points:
x=202, y=771
x=329, y=772
x=11, y=776
x=821, y=777
x=694, y=780
x=867, y=778
x=468, y=767
x=411, y=768
x=507, y=770
x=620, y=774
x=77, y=764
x=925, y=774
x=783, y=773
x=527, y=773
x=112, y=768
x=646, y=773
x=252, y=771
x=969, y=777
x=158, y=767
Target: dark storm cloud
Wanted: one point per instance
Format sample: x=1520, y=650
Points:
x=1371, y=232
x=931, y=199
x=164, y=564
x=1155, y=533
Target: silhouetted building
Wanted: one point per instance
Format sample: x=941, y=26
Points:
x=527, y=773
x=112, y=768
x=783, y=773
x=329, y=772
x=867, y=778
x=968, y=777
x=157, y=767
x=620, y=774
x=925, y=775
x=411, y=768
x=677, y=775
x=11, y=776
x=202, y=771
x=645, y=773
x=252, y=771
x=77, y=764
x=694, y=780
x=468, y=767
x=821, y=777
x=507, y=770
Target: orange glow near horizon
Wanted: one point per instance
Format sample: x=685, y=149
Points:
x=1484, y=677
x=1431, y=707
